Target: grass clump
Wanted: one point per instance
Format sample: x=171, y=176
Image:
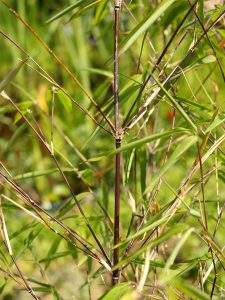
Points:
x=112, y=150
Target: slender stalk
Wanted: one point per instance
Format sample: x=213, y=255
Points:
x=28, y=287
x=203, y=213
x=116, y=66
x=210, y=43
x=115, y=278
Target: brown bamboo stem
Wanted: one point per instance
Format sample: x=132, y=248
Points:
x=115, y=278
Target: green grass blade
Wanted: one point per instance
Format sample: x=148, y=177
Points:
x=176, y=250
x=67, y=10
x=176, y=105
x=117, y=292
x=65, y=100
x=143, y=230
x=145, y=24
x=140, y=142
x=100, y=72
x=192, y=291
x=180, y=150
x=218, y=120
x=176, y=228
x=34, y=174
x=10, y=76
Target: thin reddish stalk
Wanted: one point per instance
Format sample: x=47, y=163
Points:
x=210, y=43
x=115, y=278
x=28, y=287
x=117, y=215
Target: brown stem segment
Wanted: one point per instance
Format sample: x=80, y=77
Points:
x=117, y=215
x=115, y=278
x=116, y=68
x=28, y=287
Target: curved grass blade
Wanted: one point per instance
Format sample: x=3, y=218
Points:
x=176, y=105
x=176, y=250
x=143, y=230
x=10, y=76
x=67, y=10
x=181, y=149
x=117, y=292
x=145, y=24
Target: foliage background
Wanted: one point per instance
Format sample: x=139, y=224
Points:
x=83, y=39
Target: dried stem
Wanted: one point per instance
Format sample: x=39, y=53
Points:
x=207, y=36
x=203, y=214
x=28, y=287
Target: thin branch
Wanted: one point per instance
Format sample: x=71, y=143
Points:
x=117, y=5
x=28, y=287
x=210, y=43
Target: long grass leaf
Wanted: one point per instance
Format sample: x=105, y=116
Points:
x=143, y=231
x=177, y=228
x=176, y=105
x=176, y=250
x=67, y=10
x=145, y=24
x=140, y=142
x=180, y=150
x=117, y=292
x=10, y=76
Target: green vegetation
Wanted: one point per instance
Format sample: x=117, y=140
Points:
x=112, y=149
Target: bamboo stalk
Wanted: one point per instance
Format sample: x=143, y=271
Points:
x=115, y=278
